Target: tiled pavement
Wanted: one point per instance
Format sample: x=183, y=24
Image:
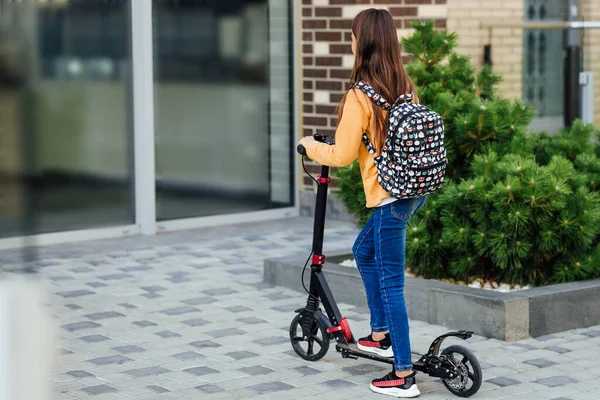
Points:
x=187, y=316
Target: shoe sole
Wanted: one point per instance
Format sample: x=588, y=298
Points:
x=411, y=392
x=388, y=353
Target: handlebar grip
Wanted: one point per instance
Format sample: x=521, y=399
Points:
x=301, y=150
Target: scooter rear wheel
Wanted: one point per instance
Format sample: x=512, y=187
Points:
x=469, y=368
x=303, y=343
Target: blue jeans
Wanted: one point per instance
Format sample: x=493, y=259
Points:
x=379, y=253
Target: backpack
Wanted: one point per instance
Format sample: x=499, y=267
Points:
x=412, y=162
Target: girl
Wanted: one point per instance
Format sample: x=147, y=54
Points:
x=379, y=249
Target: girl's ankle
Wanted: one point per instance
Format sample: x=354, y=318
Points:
x=378, y=336
x=403, y=374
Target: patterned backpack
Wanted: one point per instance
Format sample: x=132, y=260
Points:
x=413, y=160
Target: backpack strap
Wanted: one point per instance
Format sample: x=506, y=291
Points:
x=373, y=95
x=405, y=98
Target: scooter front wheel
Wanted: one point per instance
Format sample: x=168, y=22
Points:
x=468, y=381
x=313, y=344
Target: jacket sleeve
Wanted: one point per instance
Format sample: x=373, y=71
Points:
x=348, y=136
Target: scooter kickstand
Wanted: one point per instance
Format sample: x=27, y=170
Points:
x=346, y=354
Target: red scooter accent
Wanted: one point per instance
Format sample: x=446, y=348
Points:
x=344, y=326
x=323, y=180
x=318, y=259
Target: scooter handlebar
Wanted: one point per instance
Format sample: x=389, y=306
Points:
x=319, y=138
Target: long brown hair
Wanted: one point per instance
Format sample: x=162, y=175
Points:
x=378, y=62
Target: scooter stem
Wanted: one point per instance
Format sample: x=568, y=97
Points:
x=320, y=211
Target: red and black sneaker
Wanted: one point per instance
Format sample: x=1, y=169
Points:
x=382, y=348
x=398, y=387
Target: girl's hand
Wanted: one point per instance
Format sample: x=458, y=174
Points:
x=306, y=140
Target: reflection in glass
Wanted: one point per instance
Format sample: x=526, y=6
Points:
x=70, y=115
x=222, y=102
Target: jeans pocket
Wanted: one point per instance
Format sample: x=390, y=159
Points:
x=403, y=209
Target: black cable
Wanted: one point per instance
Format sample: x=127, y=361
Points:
x=308, y=173
x=304, y=269
x=311, y=253
x=303, y=285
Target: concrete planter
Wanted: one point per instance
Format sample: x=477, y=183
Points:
x=505, y=316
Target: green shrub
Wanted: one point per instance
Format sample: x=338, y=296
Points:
x=512, y=221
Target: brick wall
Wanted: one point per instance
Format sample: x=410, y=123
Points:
x=327, y=56
x=465, y=18
x=591, y=49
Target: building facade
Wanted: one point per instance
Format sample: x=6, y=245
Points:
x=126, y=117
x=135, y=117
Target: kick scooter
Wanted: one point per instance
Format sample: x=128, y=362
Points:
x=311, y=331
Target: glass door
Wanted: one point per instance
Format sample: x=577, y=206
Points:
x=223, y=85
x=64, y=101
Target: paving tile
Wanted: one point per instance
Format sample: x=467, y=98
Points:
x=540, y=362
x=196, y=322
x=145, y=324
x=555, y=381
x=238, y=309
x=304, y=370
x=112, y=277
x=338, y=383
x=270, y=387
x=80, y=374
x=287, y=308
x=99, y=389
x=252, y=320
x=94, y=338
x=188, y=355
x=557, y=349
x=77, y=326
x=104, y=315
x=210, y=389
x=196, y=301
x=155, y=288
x=128, y=349
x=242, y=271
x=365, y=369
x=180, y=310
x=96, y=285
x=241, y=355
x=503, y=382
x=136, y=268
x=199, y=371
x=158, y=389
x=219, y=291
x=152, y=295
x=201, y=344
x=226, y=332
x=272, y=341
x=116, y=359
x=167, y=334
x=81, y=270
x=76, y=293
x=256, y=370
x=148, y=371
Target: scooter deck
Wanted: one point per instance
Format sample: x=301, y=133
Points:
x=353, y=350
